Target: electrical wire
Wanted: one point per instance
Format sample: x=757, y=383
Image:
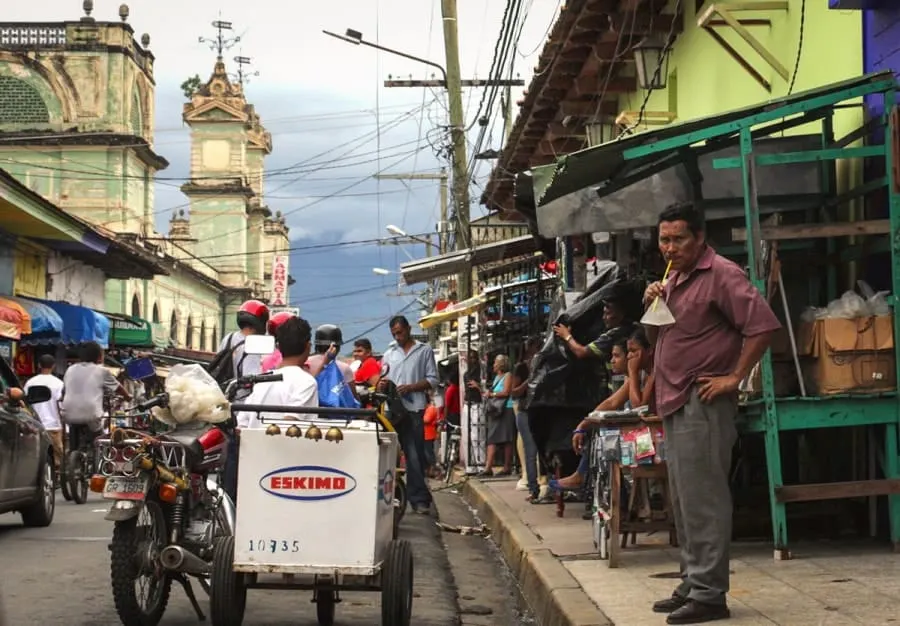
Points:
x=383, y=321
x=799, y=46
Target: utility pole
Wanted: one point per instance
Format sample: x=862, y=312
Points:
x=454, y=83
x=442, y=234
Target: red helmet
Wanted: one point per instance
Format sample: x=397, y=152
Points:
x=254, y=314
x=277, y=320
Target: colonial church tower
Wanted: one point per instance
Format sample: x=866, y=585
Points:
x=232, y=228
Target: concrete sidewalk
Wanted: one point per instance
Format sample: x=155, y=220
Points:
x=567, y=585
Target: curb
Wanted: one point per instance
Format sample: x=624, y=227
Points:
x=552, y=593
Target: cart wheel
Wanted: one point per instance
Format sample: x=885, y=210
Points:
x=228, y=591
x=325, y=601
x=397, y=584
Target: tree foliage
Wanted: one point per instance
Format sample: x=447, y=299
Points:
x=191, y=85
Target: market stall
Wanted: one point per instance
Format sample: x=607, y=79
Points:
x=799, y=237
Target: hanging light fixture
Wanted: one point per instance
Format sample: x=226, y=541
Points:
x=651, y=58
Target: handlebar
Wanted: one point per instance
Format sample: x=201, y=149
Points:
x=247, y=382
x=160, y=400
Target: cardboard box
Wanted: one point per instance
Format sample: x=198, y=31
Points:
x=850, y=355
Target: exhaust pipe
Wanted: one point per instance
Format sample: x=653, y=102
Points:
x=177, y=559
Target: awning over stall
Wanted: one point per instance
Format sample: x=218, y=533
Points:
x=45, y=325
x=430, y=268
x=79, y=324
x=11, y=322
x=452, y=312
x=596, y=190
x=134, y=332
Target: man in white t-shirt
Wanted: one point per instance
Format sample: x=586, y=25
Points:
x=48, y=412
x=297, y=388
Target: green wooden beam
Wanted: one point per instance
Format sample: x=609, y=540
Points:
x=767, y=115
x=810, y=156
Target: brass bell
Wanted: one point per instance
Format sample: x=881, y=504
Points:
x=293, y=431
x=334, y=434
x=273, y=429
x=313, y=432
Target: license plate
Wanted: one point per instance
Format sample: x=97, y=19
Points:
x=126, y=488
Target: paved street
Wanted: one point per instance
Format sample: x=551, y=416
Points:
x=60, y=575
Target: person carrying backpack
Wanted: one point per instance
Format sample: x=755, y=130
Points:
x=231, y=362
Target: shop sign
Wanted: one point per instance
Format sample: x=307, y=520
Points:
x=279, y=281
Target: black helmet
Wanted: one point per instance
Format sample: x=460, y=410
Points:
x=328, y=334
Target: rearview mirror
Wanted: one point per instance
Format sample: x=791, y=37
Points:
x=140, y=369
x=38, y=394
x=259, y=344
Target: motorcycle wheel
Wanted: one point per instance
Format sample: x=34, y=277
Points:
x=135, y=567
x=64, y=481
x=77, y=476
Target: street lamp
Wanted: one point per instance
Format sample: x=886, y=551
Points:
x=381, y=271
x=651, y=57
x=356, y=38
x=394, y=230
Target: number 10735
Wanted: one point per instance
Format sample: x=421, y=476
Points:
x=273, y=546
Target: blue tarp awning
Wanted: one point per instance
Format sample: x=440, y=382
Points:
x=78, y=324
x=46, y=324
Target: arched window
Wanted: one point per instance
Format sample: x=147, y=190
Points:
x=137, y=118
x=20, y=103
x=135, y=306
x=189, y=338
x=203, y=335
x=173, y=328
x=215, y=339
x=155, y=313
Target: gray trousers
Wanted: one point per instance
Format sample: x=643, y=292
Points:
x=699, y=441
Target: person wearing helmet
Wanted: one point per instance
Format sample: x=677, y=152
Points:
x=273, y=361
x=327, y=344
x=252, y=318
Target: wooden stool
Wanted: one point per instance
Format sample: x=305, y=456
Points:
x=624, y=520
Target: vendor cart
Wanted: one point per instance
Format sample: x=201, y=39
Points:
x=315, y=511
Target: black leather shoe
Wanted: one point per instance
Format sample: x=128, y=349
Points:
x=698, y=613
x=669, y=604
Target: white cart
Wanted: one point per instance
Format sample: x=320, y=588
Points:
x=315, y=511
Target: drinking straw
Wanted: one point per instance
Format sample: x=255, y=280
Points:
x=664, y=278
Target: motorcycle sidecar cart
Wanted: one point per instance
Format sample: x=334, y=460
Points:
x=315, y=511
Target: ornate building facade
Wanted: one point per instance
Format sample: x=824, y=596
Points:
x=76, y=123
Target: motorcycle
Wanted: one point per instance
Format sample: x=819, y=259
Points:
x=168, y=507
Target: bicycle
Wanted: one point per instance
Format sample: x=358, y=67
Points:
x=79, y=463
x=450, y=440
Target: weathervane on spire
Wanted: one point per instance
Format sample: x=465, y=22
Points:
x=221, y=41
x=243, y=76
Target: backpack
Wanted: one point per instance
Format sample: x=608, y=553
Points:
x=221, y=368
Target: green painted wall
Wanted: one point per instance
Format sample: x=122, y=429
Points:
x=708, y=80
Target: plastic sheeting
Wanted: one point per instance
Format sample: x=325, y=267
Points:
x=557, y=378
x=77, y=324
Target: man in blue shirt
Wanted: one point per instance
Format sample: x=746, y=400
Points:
x=414, y=371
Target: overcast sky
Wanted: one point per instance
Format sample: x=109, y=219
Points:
x=323, y=101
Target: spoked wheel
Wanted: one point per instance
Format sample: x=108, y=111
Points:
x=77, y=476
x=228, y=591
x=140, y=585
x=397, y=585
x=64, y=480
x=325, y=603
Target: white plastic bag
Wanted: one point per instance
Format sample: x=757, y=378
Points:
x=194, y=395
x=849, y=306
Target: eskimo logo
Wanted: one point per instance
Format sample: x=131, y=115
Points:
x=308, y=483
x=386, y=485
